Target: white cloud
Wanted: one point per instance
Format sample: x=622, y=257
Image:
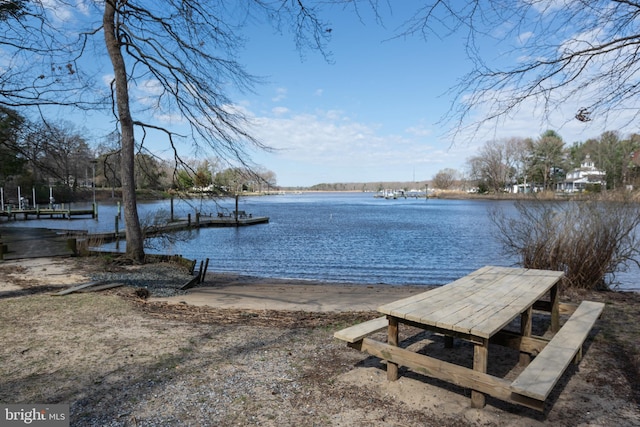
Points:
x=524, y=37
x=280, y=111
x=419, y=131
x=329, y=146
x=281, y=94
x=66, y=12
x=549, y=6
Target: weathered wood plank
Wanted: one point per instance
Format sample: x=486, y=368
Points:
x=435, y=368
x=525, y=291
x=526, y=323
x=436, y=295
x=539, y=378
x=357, y=332
x=480, y=360
x=565, y=309
x=478, y=304
x=392, y=340
x=75, y=288
x=101, y=287
x=532, y=345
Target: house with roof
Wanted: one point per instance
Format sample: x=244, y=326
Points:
x=586, y=175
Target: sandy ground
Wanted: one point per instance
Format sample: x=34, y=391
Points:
x=241, y=292
x=244, y=351
x=231, y=291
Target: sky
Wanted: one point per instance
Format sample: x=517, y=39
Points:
x=373, y=113
x=370, y=114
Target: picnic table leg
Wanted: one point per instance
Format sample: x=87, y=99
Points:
x=448, y=341
x=480, y=354
x=525, y=331
x=555, y=308
x=392, y=339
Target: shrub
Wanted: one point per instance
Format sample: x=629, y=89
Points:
x=588, y=240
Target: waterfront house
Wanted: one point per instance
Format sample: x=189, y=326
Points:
x=586, y=175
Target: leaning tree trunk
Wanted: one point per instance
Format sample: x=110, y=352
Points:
x=135, y=240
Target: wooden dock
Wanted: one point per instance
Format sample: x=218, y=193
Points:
x=57, y=213
x=177, y=225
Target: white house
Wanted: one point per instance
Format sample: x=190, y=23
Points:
x=587, y=174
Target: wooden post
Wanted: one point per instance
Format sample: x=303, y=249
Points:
x=117, y=234
x=73, y=245
x=200, y=272
x=171, y=218
x=236, y=211
x=392, y=339
x=448, y=341
x=204, y=273
x=555, y=308
x=189, y=220
x=525, y=331
x=480, y=355
x=197, y=219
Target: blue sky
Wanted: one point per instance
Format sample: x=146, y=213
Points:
x=373, y=112
x=369, y=115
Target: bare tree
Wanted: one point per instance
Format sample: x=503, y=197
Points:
x=184, y=49
x=40, y=57
x=562, y=51
x=187, y=49
x=445, y=178
x=496, y=164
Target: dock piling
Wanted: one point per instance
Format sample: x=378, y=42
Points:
x=204, y=272
x=200, y=272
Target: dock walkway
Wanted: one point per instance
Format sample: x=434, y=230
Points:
x=28, y=242
x=51, y=213
x=177, y=225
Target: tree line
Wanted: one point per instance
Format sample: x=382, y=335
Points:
x=40, y=154
x=544, y=162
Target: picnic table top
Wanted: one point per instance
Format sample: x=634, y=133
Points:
x=479, y=304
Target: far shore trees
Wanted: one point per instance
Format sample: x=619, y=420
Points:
x=445, y=179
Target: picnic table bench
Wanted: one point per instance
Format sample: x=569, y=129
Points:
x=476, y=308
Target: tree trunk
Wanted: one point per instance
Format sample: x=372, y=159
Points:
x=135, y=240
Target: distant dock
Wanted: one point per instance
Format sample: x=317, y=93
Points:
x=241, y=220
x=51, y=213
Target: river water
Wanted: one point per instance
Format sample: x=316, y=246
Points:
x=339, y=237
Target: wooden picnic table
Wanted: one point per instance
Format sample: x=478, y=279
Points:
x=477, y=307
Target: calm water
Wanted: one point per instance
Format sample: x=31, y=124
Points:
x=350, y=237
